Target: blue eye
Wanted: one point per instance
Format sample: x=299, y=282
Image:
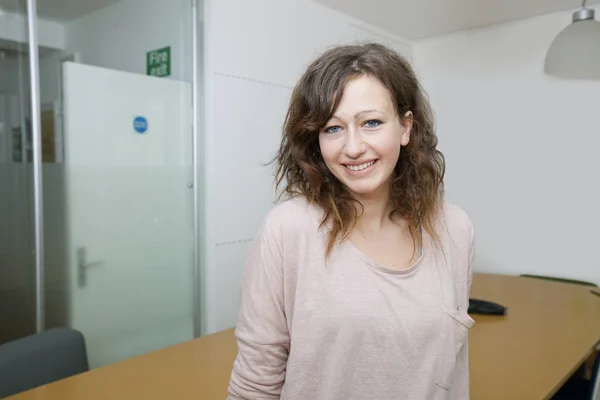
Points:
x=373, y=123
x=333, y=129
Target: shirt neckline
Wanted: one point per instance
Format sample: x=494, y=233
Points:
x=374, y=264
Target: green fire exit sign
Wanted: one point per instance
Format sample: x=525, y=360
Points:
x=158, y=62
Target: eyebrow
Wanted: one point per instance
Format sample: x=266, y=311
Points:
x=360, y=113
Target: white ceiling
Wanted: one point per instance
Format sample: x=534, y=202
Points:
x=418, y=19
x=410, y=19
x=59, y=10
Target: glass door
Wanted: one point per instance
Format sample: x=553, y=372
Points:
x=117, y=132
x=17, y=244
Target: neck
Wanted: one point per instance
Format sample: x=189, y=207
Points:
x=375, y=212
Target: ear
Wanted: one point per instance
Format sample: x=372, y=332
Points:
x=407, y=123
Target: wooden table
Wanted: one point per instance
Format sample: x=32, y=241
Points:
x=548, y=332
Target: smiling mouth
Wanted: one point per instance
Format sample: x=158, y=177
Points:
x=360, y=167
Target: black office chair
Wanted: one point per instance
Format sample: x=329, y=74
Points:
x=42, y=358
x=578, y=388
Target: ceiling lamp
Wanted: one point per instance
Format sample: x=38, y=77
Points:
x=575, y=53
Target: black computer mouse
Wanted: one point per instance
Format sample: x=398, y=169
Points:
x=485, y=307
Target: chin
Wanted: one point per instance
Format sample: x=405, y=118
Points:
x=368, y=190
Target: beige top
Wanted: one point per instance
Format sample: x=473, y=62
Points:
x=347, y=328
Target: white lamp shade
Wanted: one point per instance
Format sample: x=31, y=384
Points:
x=575, y=53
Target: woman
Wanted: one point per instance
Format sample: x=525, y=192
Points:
x=357, y=285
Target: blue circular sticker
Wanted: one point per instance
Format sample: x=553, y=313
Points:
x=140, y=124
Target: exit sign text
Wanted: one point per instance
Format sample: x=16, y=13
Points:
x=158, y=62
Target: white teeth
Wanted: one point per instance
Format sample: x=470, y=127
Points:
x=360, y=167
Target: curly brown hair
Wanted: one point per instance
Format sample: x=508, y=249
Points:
x=417, y=186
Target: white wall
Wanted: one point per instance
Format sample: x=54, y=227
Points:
x=118, y=36
x=255, y=52
x=13, y=27
x=521, y=147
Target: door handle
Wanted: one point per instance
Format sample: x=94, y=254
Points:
x=83, y=265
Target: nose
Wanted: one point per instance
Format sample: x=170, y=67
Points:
x=354, y=146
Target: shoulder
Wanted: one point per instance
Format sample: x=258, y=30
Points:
x=292, y=216
x=456, y=219
x=456, y=223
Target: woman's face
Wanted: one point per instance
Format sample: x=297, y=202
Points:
x=361, y=143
